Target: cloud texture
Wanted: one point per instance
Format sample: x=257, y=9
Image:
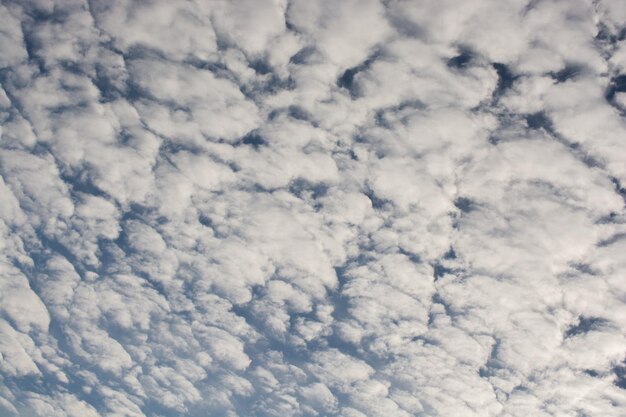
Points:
x=312, y=208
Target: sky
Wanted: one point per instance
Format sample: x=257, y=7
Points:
x=284, y=208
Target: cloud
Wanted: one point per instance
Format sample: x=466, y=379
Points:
x=297, y=208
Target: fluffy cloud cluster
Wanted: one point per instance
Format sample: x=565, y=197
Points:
x=312, y=208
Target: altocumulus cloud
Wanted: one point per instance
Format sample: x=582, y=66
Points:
x=312, y=208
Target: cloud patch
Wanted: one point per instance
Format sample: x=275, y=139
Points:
x=296, y=208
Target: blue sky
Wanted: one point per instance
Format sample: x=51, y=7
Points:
x=312, y=208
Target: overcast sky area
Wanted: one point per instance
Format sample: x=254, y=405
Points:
x=283, y=208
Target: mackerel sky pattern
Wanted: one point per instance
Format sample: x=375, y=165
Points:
x=356, y=208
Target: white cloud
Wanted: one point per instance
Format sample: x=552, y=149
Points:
x=312, y=208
